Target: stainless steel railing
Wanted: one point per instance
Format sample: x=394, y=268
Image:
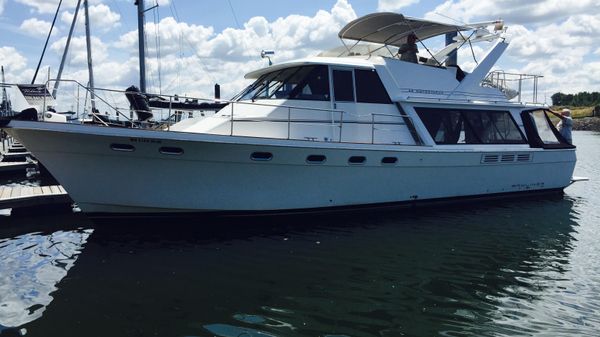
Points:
x=506, y=82
x=293, y=115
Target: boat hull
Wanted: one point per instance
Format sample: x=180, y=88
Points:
x=217, y=173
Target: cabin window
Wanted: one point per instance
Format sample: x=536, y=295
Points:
x=357, y=160
x=389, y=160
x=173, y=151
x=343, y=85
x=466, y=126
x=122, y=147
x=261, y=156
x=315, y=159
x=303, y=83
x=369, y=88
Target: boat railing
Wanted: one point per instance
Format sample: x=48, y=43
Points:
x=337, y=119
x=375, y=128
x=522, y=87
x=98, y=100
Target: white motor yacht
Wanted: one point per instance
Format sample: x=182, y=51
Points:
x=351, y=127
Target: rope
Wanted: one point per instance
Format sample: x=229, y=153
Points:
x=46, y=44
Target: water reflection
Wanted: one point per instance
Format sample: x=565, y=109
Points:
x=487, y=269
x=32, y=265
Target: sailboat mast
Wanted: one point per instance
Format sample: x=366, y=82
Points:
x=66, y=51
x=142, y=56
x=4, y=96
x=89, y=55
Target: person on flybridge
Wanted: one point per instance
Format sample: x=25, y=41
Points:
x=565, y=125
x=409, y=50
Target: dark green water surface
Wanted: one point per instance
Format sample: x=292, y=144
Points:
x=511, y=268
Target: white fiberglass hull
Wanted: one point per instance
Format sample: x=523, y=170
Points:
x=216, y=173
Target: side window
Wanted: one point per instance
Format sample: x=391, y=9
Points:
x=494, y=127
x=470, y=126
x=343, y=86
x=369, y=88
x=314, y=86
x=444, y=126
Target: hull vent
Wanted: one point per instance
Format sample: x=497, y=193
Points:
x=490, y=158
x=505, y=158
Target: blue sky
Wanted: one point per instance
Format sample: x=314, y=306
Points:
x=208, y=42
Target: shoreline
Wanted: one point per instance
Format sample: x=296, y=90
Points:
x=586, y=124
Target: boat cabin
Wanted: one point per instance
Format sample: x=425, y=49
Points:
x=366, y=93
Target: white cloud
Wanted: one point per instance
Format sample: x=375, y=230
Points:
x=394, y=5
x=78, y=50
x=225, y=57
x=102, y=18
x=14, y=65
x=47, y=6
x=1, y=6
x=12, y=60
x=37, y=28
x=514, y=11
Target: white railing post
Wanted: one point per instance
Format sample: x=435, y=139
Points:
x=372, y=128
x=520, y=86
x=289, y=122
x=231, y=133
x=341, y=124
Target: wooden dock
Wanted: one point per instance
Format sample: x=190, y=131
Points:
x=15, y=166
x=29, y=196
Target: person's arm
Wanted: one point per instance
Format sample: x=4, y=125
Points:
x=557, y=114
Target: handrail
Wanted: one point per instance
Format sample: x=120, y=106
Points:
x=499, y=79
x=96, y=96
x=338, y=119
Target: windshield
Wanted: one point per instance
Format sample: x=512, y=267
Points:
x=303, y=83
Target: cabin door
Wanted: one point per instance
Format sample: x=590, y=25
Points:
x=344, y=99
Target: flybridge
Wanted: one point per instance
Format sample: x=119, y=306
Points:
x=386, y=30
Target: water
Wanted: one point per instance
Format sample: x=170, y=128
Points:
x=511, y=268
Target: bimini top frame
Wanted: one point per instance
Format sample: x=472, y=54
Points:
x=393, y=28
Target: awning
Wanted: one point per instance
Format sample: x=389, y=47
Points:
x=392, y=29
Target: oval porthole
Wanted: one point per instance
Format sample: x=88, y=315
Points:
x=261, y=156
x=122, y=147
x=171, y=151
x=357, y=160
x=389, y=160
x=316, y=159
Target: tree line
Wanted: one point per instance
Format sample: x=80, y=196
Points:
x=579, y=99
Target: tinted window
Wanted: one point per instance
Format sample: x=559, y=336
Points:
x=470, y=126
x=343, y=88
x=369, y=88
x=305, y=83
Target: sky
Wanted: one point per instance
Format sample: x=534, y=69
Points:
x=206, y=42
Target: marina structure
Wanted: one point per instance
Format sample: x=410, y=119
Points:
x=354, y=126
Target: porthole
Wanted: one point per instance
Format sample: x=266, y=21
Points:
x=357, y=160
x=261, y=156
x=122, y=147
x=316, y=159
x=389, y=160
x=171, y=151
